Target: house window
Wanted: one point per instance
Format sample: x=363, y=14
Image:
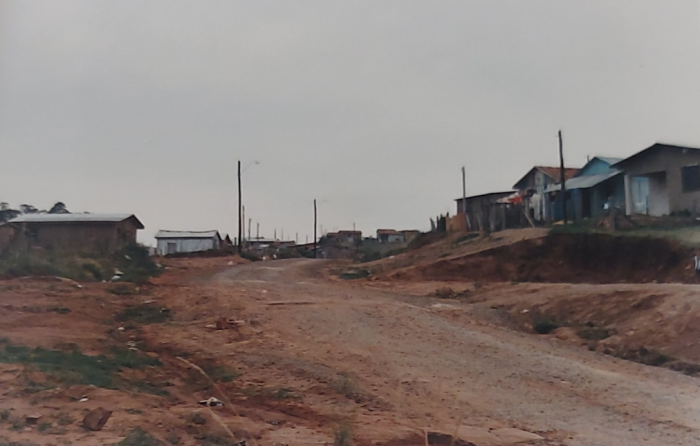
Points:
x=690, y=176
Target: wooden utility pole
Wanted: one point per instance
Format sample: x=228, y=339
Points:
x=257, y=231
x=240, y=211
x=315, y=238
x=250, y=228
x=562, y=178
x=464, y=198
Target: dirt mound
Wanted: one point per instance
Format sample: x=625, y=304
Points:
x=573, y=258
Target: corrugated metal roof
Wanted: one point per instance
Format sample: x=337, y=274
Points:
x=70, y=218
x=583, y=182
x=608, y=159
x=187, y=234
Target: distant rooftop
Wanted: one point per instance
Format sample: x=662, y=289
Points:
x=187, y=234
x=74, y=218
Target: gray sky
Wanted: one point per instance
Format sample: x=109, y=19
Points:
x=370, y=106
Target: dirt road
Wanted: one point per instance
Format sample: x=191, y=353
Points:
x=436, y=367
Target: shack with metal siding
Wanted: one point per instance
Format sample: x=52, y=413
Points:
x=82, y=232
x=172, y=242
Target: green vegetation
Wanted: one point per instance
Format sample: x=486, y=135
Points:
x=139, y=437
x=250, y=256
x=343, y=435
x=73, y=367
x=345, y=386
x=145, y=314
x=354, y=274
x=590, y=332
x=544, y=325
x=197, y=418
x=4, y=415
x=465, y=238
x=221, y=373
x=44, y=426
x=133, y=260
x=64, y=419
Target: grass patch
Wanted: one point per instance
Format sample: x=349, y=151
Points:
x=354, y=274
x=123, y=289
x=250, y=256
x=445, y=293
x=18, y=425
x=59, y=310
x=465, y=238
x=197, y=418
x=73, y=367
x=139, y=437
x=592, y=333
x=345, y=386
x=644, y=356
x=44, y=426
x=145, y=314
x=544, y=325
x=4, y=415
x=64, y=419
x=343, y=435
x=222, y=373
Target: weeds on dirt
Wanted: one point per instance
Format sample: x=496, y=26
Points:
x=134, y=411
x=445, y=293
x=145, y=314
x=544, y=324
x=197, y=418
x=6, y=442
x=343, y=435
x=73, y=367
x=591, y=332
x=123, y=289
x=345, y=386
x=139, y=437
x=64, y=419
x=250, y=256
x=4, y=415
x=222, y=373
x=44, y=426
x=466, y=238
x=59, y=310
x=354, y=274
x=18, y=425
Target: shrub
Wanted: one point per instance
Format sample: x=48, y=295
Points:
x=139, y=437
x=145, y=314
x=445, y=293
x=354, y=274
x=250, y=256
x=544, y=325
x=345, y=386
x=136, y=264
x=343, y=435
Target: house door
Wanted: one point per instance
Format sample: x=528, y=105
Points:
x=585, y=203
x=172, y=248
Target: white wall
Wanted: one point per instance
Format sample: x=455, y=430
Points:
x=658, y=195
x=187, y=245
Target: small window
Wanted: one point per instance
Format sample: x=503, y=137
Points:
x=690, y=176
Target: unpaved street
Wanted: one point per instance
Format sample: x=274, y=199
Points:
x=436, y=366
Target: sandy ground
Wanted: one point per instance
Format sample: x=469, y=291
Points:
x=314, y=352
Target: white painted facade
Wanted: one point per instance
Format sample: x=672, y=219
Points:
x=172, y=242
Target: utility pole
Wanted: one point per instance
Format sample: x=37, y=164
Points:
x=250, y=227
x=315, y=239
x=240, y=211
x=464, y=198
x=243, y=218
x=353, y=227
x=296, y=238
x=275, y=234
x=282, y=236
x=257, y=231
x=562, y=178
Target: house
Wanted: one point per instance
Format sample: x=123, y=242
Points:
x=672, y=184
x=484, y=212
x=596, y=188
x=390, y=236
x=532, y=186
x=226, y=242
x=92, y=232
x=349, y=237
x=410, y=234
x=172, y=242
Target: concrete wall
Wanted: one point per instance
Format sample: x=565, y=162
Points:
x=187, y=245
x=669, y=161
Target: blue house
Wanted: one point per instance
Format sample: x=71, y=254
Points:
x=594, y=190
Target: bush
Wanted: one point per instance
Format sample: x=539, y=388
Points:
x=250, y=256
x=136, y=264
x=145, y=314
x=544, y=325
x=445, y=293
x=354, y=274
x=343, y=435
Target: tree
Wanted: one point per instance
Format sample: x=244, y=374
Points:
x=28, y=209
x=59, y=208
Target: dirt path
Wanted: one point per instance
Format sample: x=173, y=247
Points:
x=436, y=369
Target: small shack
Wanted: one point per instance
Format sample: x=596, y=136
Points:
x=82, y=232
x=173, y=242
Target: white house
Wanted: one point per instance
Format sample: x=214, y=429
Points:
x=171, y=242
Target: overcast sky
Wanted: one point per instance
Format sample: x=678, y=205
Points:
x=370, y=106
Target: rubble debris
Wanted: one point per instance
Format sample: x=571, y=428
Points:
x=96, y=419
